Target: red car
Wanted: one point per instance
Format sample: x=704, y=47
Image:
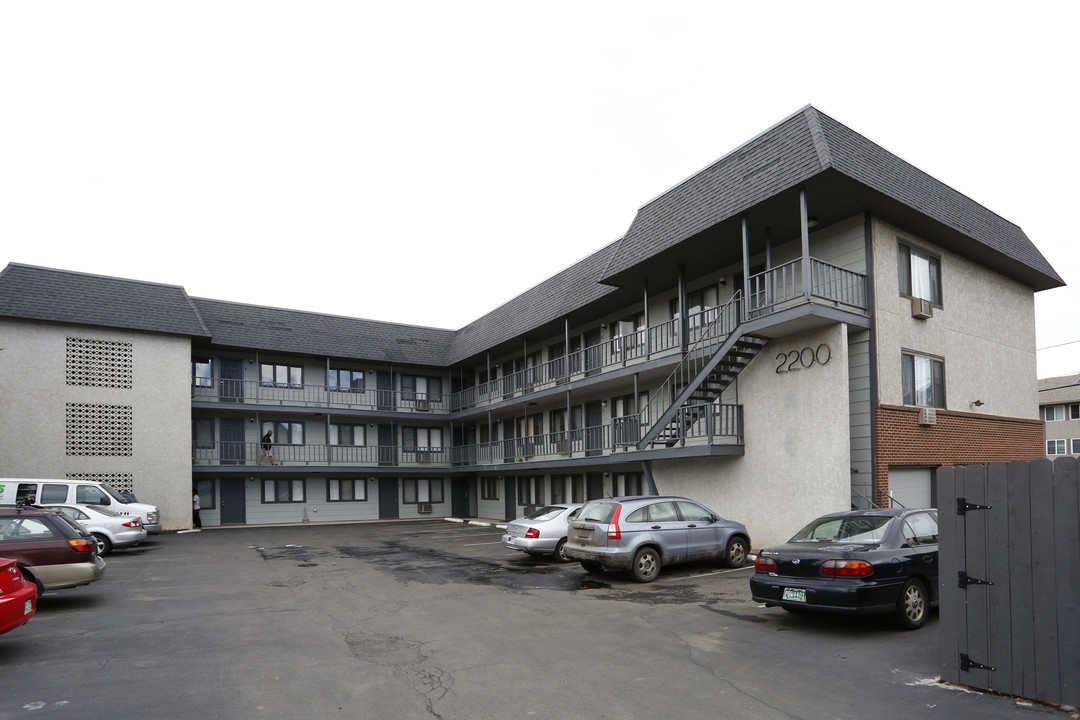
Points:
x=18, y=598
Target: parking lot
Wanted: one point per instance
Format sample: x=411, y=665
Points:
x=434, y=619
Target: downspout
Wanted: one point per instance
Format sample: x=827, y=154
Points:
x=684, y=321
x=648, y=335
x=744, y=314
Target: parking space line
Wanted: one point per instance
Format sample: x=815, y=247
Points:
x=497, y=542
x=718, y=572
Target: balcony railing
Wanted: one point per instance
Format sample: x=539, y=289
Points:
x=222, y=453
x=256, y=392
x=782, y=286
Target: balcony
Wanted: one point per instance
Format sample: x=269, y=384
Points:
x=224, y=454
x=768, y=293
x=256, y=392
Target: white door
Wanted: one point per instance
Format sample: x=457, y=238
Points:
x=911, y=487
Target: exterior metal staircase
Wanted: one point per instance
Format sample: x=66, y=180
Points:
x=707, y=368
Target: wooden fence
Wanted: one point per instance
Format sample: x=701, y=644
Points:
x=1010, y=578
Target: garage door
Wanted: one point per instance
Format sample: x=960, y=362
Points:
x=911, y=487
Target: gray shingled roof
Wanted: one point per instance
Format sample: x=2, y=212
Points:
x=36, y=293
x=799, y=148
x=1056, y=390
x=306, y=333
x=554, y=298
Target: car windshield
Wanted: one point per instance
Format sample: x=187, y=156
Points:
x=600, y=512
x=546, y=513
x=863, y=529
x=115, y=495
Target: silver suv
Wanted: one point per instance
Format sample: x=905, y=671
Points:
x=641, y=534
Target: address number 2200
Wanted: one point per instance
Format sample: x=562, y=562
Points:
x=803, y=359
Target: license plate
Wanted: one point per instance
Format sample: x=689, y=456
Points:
x=795, y=594
x=28, y=607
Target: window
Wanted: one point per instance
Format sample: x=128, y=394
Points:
x=415, y=387
x=282, y=376
x=628, y=483
x=285, y=433
x=567, y=488
x=202, y=372
x=1055, y=413
x=346, y=380
x=207, y=497
x=1076, y=446
x=24, y=529
x=920, y=273
x=921, y=529
x=530, y=490
x=698, y=302
x=283, y=491
x=489, y=488
x=923, y=380
x=348, y=434
x=1056, y=447
x=421, y=438
x=202, y=432
x=346, y=490
x=422, y=491
x=91, y=495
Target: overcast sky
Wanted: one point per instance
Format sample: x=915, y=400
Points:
x=424, y=162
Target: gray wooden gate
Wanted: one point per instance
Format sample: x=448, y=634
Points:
x=1010, y=578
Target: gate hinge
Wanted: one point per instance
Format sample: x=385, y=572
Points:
x=966, y=580
x=967, y=664
x=962, y=506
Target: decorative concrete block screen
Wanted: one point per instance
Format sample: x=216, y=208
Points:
x=1010, y=578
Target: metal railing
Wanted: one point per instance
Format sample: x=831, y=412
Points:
x=258, y=392
x=838, y=284
x=224, y=453
x=769, y=290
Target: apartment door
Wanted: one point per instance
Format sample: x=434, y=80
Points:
x=388, y=498
x=594, y=486
x=460, y=496
x=233, y=447
x=233, y=501
x=384, y=390
x=387, y=449
x=508, y=440
x=594, y=352
x=232, y=380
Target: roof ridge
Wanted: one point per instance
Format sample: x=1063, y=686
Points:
x=817, y=134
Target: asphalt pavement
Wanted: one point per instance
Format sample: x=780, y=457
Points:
x=432, y=619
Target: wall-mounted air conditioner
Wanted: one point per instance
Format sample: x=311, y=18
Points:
x=927, y=417
x=423, y=508
x=423, y=457
x=921, y=308
x=423, y=405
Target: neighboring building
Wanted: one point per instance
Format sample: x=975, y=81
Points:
x=807, y=324
x=1059, y=407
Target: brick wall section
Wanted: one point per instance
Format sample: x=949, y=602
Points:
x=957, y=439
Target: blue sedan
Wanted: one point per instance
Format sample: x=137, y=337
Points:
x=860, y=562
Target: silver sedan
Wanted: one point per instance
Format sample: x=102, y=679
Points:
x=542, y=532
x=109, y=528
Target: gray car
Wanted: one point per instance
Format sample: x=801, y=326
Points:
x=542, y=532
x=642, y=534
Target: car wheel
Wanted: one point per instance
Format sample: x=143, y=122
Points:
x=103, y=544
x=28, y=577
x=912, y=605
x=735, y=552
x=646, y=565
x=593, y=568
x=560, y=554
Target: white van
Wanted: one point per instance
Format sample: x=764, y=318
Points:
x=80, y=492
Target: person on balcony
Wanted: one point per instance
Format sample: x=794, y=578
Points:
x=267, y=446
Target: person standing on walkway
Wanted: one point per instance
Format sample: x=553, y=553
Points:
x=196, y=506
x=268, y=446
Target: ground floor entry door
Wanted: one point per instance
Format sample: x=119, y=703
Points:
x=233, y=502
x=388, y=498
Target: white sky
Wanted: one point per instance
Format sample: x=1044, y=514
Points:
x=424, y=162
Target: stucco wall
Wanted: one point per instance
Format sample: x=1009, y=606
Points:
x=985, y=331
x=33, y=444
x=796, y=464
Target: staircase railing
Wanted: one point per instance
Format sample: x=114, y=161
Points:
x=710, y=337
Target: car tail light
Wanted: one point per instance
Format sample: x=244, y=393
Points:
x=131, y=523
x=81, y=545
x=846, y=568
x=765, y=564
x=613, y=531
x=532, y=533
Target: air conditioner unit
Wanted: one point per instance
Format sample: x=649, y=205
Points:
x=423, y=508
x=423, y=404
x=423, y=457
x=922, y=309
x=927, y=417
x=561, y=447
x=530, y=509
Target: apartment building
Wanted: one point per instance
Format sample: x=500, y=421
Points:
x=1059, y=407
x=807, y=324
